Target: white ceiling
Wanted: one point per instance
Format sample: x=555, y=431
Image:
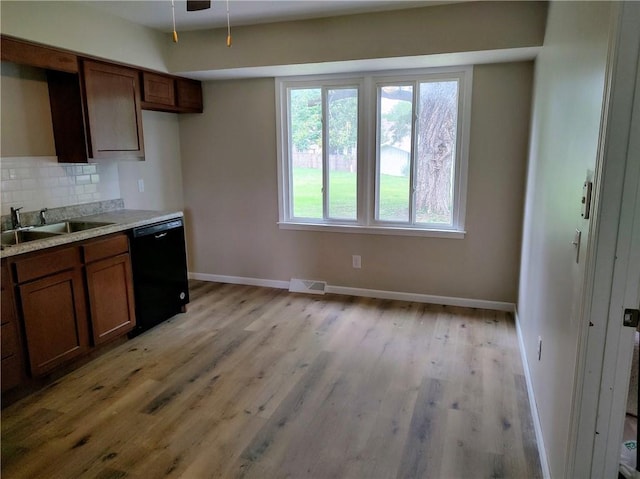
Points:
x=157, y=13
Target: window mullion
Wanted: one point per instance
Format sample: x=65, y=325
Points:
x=412, y=157
x=325, y=156
x=376, y=153
x=367, y=120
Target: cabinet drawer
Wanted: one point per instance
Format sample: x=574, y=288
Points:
x=46, y=264
x=10, y=343
x=106, y=248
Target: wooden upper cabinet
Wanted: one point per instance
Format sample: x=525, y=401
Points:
x=96, y=105
x=67, y=117
x=158, y=90
x=26, y=53
x=170, y=94
x=189, y=95
x=113, y=114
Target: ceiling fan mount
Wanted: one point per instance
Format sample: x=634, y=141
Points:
x=195, y=5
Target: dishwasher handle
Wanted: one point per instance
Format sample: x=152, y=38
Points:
x=157, y=229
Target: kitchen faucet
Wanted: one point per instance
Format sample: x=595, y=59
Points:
x=15, y=218
x=43, y=218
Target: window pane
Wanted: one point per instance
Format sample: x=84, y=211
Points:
x=436, y=130
x=394, y=137
x=305, y=147
x=342, y=130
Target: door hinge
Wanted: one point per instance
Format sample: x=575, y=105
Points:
x=631, y=317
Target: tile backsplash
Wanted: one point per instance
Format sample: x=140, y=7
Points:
x=41, y=182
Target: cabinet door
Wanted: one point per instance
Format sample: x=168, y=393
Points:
x=13, y=371
x=112, y=97
x=189, y=95
x=110, y=286
x=12, y=366
x=158, y=89
x=55, y=320
x=67, y=117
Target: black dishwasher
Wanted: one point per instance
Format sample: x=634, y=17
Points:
x=159, y=263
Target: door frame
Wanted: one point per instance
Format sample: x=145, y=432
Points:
x=612, y=280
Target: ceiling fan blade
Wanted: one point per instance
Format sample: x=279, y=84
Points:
x=195, y=5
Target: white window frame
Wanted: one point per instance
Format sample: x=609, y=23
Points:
x=368, y=155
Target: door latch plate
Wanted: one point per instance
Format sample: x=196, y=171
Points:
x=631, y=318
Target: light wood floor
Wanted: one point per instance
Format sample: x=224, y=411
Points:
x=261, y=383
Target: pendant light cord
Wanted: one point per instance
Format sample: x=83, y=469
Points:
x=173, y=14
x=228, y=27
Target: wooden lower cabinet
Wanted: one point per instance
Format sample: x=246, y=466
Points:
x=110, y=286
x=69, y=300
x=55, y=321
x=13, y=370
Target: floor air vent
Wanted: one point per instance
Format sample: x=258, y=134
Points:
x=307, y=286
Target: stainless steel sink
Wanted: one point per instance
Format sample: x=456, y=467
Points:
x=14, y=237
x=70, y=226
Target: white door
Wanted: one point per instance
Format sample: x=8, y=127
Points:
x=613, y=281
x=625, y=294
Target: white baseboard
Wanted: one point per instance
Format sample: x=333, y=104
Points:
x=219, y=278
x=367, y=293
x=542, y=451
x=422, y=298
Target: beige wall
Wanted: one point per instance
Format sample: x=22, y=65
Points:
x=229, y=170
x=568, y=99
x=81, y=28
x=461, y=27
x=161, y=171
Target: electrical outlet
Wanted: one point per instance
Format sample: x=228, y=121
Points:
x=356, y=261
x=141, y=185
x=539, y=348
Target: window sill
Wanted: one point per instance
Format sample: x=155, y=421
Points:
x=373, y=230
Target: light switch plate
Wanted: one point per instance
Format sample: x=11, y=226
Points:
x=576, y=242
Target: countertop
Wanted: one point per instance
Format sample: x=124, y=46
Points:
x=122, y=220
